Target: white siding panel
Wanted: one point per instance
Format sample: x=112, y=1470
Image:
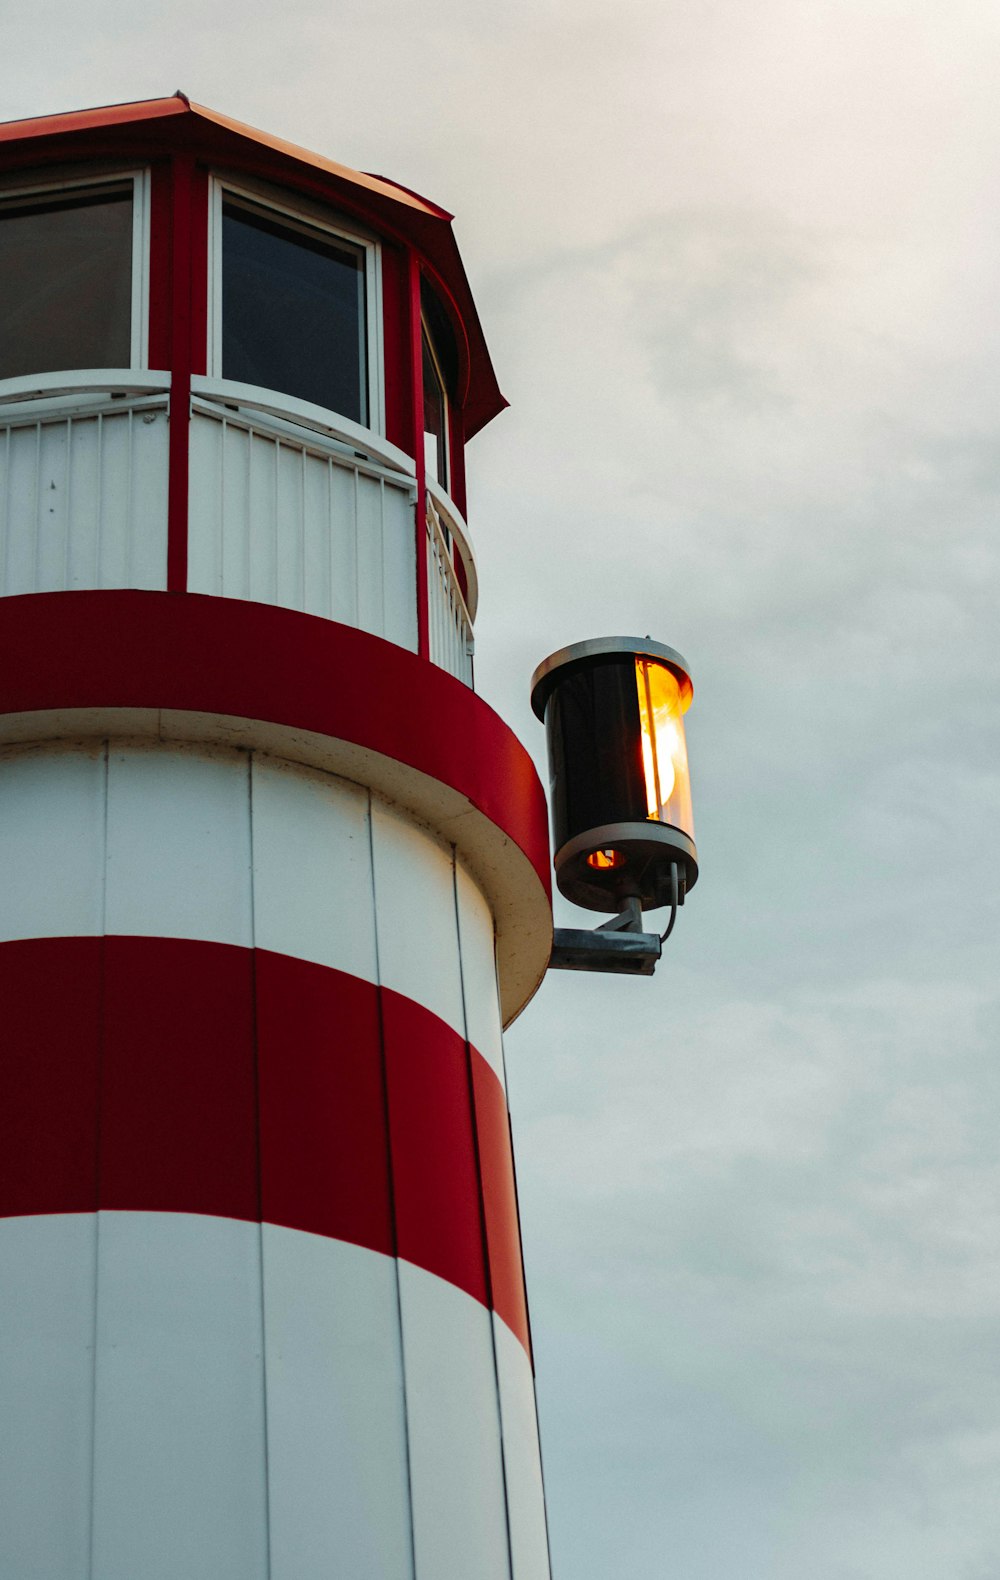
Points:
x=279, y=521
x=86, y=564
x=317, y=537
x=312, y=867
x=46, y=1385
x=22, y=464
x=415, y=915
x=289, y=526
x=371, y=554
x=342, y=528
x=337, y=1463
x=522, y=1457
x=399, y=567
x=83, y=502
x=206, y=508
x=52, y=841
x=179, y=843
x=262, y=519
x=479, y=972
x=148, y=506
x=179, y=1457
x=456, y=1471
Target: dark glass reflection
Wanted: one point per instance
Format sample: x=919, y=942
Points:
x=66, y=283
x=435, y=420
x=293, y=311
x=595, y=754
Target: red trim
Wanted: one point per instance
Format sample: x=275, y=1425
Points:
x=499, y=1196
x=180, y=364
x=417, y=406
x=131, y=649
x=166, y=1075
x=433, y=1146
x=160, y=265
x=399, y=416
x=198, y=276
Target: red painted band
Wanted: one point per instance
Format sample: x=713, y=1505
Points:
x=166, y=1075
x=180, y=363
x=130, y=649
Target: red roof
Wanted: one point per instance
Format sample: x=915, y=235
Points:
x=150, y=126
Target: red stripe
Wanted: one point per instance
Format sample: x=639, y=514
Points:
x=438, y=1213
x=503, y=1235
x=323, y=1139
x=50, y=993
x=166, y=1075
x=177, y=1103
x=131, y=649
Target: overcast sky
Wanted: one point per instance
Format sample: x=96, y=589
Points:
x=738, y=267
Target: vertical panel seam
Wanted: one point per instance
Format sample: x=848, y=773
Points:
x=105, y=777
x=393, y=1231
x=259, y=1164
x=490, y=1307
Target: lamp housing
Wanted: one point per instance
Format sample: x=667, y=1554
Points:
x=613, y=710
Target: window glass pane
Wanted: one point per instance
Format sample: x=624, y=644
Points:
x=293, y=311
x=435, y=420
x=66, y=282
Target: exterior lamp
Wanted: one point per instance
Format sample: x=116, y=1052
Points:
x=613, y=711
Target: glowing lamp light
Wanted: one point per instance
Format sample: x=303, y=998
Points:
x=621, y=793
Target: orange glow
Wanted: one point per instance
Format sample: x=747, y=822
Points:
x=664, y=752
x=602, y=860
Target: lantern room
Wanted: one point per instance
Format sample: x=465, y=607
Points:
x=313, y=323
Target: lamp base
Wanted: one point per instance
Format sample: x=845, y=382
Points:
x=643, y=872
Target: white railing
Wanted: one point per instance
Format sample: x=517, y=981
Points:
x=288, y=504
x=83, y=480
x=309, y=515
x=449, y=620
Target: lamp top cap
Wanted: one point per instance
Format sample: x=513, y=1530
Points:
x=580, y=655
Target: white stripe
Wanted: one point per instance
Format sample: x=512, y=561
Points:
x=179, y=1460
x=52, y=841
x=312, y=867
x=459, y=1521
x=177, y=824
x=479, y=976
x=522, y=1458
x=335, y=1416
x=178, y=843
x=415, y=910
x=46, y=1385
x=186, y=1347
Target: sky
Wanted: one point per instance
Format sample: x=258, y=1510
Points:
x=737, y=265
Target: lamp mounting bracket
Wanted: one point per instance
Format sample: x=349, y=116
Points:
x=619, y=945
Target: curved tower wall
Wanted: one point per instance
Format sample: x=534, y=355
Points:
x=273, y=880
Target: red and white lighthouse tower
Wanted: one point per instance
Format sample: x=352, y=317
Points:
x=273, y=879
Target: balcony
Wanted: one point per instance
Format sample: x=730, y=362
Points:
x=288, y=505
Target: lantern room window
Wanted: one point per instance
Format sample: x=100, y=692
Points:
x=71, y=276
x=435, y=415
x=295, y=307
x=440, y=367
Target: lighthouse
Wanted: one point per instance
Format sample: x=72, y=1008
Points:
x=274, y=879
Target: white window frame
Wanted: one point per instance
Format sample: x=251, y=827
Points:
x=300, y=212
x=95, y=181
